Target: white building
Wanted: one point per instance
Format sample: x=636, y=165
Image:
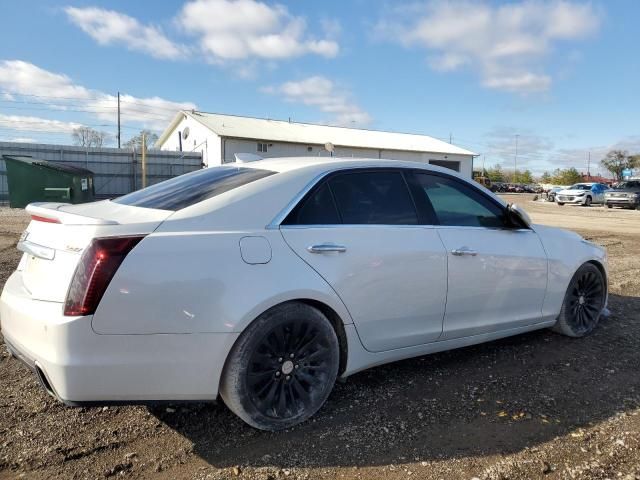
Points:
x=219, y=137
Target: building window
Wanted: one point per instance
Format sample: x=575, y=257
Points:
x=446, y=164
x=309, y=149
x=262, y=147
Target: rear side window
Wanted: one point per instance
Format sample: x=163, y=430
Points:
x=191, y=188
x=380, y=198
x=317, y=209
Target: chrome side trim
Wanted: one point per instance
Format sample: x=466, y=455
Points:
x=36, y=250
x=279, y=218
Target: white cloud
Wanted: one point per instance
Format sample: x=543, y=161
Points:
x=109, y=27
x=21, y=140
x=60, y=93
x=323, y=94
x=36, y=124
x=506, y=43
x=242, y=29
x=24, y=78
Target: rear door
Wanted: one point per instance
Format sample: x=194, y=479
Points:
x=497, y=273
x=361, y=232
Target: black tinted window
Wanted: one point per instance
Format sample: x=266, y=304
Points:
x=373, y=198
x=457, y=204
x=317, y=209
x=191, y=188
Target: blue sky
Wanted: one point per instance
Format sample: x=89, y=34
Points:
x=561, y=75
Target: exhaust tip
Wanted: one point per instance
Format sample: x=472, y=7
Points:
x=44, y=381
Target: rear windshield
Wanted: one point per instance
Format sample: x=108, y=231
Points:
x=624, y=185
x=191, y=188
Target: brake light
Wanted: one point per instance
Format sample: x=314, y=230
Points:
x=39, y=218
x=97, y=266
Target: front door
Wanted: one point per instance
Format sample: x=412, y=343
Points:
x=360, y=232
x=497, y=272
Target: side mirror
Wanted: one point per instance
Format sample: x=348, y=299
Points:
x=520, y=214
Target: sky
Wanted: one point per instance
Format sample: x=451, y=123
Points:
x=558, y=77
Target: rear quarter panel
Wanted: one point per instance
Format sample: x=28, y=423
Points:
x=190, y=282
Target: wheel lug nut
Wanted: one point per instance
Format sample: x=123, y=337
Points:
x=280, y=359
x=291, y=356
x=297, y=366
x=288, y=377
x=277, y=374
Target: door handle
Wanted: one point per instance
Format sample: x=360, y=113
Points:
x=463, y=251
x=327, y=248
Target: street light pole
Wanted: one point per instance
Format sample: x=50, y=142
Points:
x=515, y=161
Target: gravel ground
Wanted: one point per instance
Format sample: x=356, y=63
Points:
x=533, y=406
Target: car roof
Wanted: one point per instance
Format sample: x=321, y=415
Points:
x=289, y=164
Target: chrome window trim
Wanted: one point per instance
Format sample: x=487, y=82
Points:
x=275, y=224
x=355, y=225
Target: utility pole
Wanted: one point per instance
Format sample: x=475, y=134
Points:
x=450, y=137
x=515, y=161
x=144, y=160
x=118, y=119
x=589, y=165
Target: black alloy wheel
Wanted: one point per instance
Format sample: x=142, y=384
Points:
x=282, y=368
x=583, y=302
x=289, y=366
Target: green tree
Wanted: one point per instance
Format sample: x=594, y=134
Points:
x=524, y=177
x=568, y=176
x=136, y=141
x=545, y=177
x=495, y=173
x=618, y=160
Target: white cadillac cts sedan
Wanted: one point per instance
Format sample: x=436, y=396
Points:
x=263, y=282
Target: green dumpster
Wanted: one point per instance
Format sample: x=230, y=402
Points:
x=33, y=180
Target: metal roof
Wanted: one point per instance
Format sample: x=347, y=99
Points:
x=49, y=164
x=294, y=132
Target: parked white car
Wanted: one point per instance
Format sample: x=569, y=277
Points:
x=263, y=282
x=582, y=194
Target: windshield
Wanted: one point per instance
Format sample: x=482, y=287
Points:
x=624, y=185
x=580, y=186
x=191, y=188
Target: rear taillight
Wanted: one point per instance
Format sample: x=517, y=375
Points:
x=40, y=218
x=97, y=266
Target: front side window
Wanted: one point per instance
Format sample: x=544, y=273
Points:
x=456, y=204
x=191, y=188
x=380, y=198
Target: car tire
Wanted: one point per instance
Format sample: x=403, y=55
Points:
x=560, y=203
x=583, y=302
x=587, y=201
x=282, y=368
x=608, y=205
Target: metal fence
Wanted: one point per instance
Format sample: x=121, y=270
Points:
x=117, y=171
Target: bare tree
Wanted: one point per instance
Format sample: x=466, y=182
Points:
x=136, y=142
x=88, y=137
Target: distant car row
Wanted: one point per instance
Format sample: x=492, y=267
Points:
x=515, y=188
x=624, y=194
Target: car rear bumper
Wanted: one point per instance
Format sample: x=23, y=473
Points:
x=78, y=366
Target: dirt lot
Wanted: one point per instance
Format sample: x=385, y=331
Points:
x=534, y=406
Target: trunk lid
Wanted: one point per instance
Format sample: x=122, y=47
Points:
x=54, y=240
